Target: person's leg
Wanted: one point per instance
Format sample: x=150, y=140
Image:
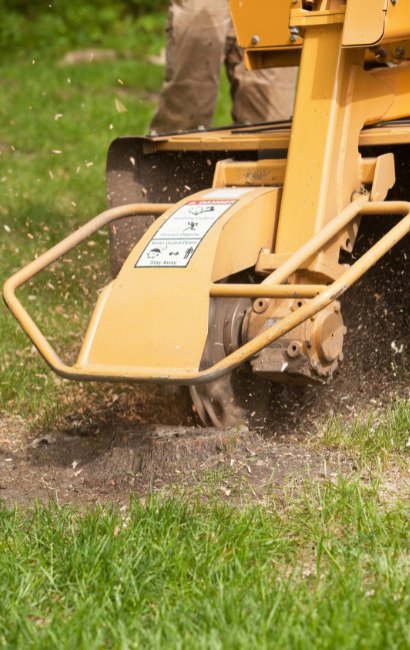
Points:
x=194, y=54
x=258, y=95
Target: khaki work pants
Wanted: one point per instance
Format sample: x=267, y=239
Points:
x=200, y=38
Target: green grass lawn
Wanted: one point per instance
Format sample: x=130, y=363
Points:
x=375, y=439
x=56, y=124
x=326, y=570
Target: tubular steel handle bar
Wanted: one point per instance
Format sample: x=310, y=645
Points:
x=328, y=294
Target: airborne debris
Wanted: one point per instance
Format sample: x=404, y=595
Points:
x=120, y=106
x=88, y=56
x=397, y=349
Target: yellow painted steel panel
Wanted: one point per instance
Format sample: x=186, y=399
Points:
x=157, y=317
x=263, y=24
x=364, y=22
x=398, y=81
x=397, y=20
x=265, y=140
x=368, y=22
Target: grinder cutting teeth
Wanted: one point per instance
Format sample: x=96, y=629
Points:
x=233, y=399
x=216, y=403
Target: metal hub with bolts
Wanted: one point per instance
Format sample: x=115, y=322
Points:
x=310, y=352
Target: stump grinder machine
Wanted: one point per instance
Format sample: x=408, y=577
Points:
x=230, y=248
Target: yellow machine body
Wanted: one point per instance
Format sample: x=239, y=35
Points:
x=271, y=33
x=141, y=292
x=282, y=201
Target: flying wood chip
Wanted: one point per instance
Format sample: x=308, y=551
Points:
x=120, y=106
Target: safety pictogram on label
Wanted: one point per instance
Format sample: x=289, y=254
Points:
x=176, y=241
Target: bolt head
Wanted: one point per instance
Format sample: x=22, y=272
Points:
x=294, y=349
x=260, y=305
x=381, y=53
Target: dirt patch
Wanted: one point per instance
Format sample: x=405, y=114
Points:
x=5, y=147
x=14, y=434
x=395, y=485
x=90, y=55
x=126, y=460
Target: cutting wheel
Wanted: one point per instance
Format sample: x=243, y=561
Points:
x=238, y=397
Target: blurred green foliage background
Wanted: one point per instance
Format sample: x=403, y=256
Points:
x=57, y=119
x=36, y=25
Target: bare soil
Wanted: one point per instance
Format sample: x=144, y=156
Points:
x=81, y=468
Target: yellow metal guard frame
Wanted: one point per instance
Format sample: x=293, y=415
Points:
x=269, y=288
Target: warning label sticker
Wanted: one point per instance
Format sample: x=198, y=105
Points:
x=175, y=242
